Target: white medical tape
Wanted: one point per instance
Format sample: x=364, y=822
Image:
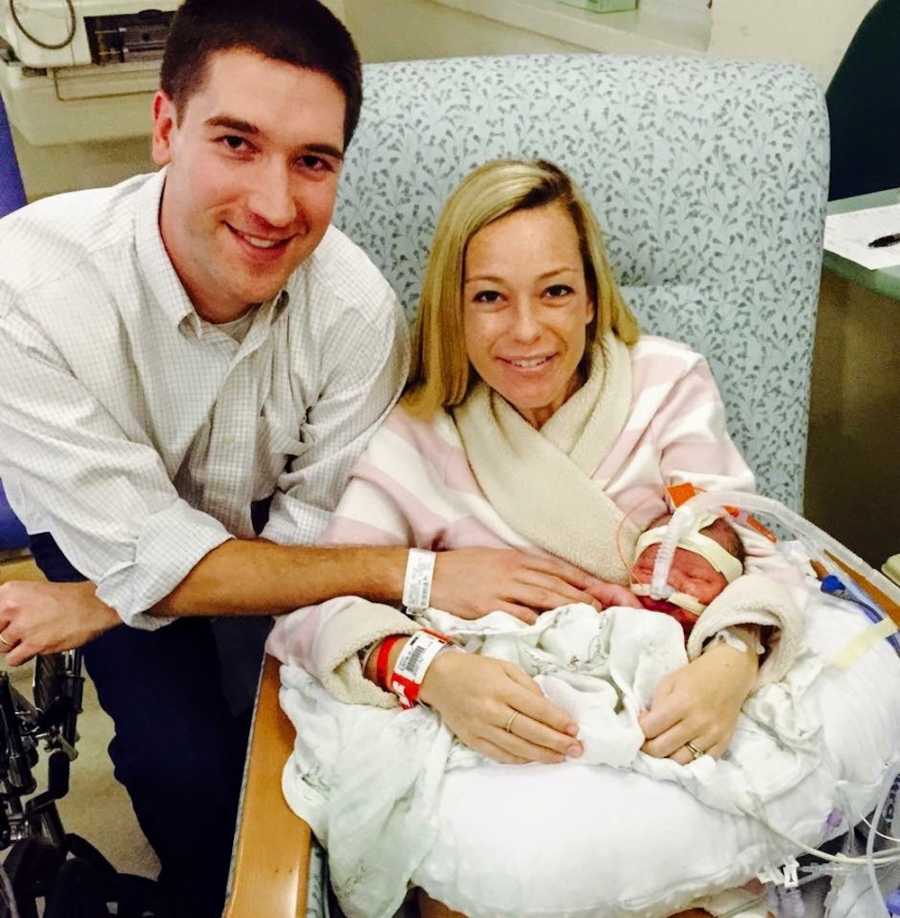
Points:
x=417, y=582
x=735, y=641
x=695, y=541
x=856, y=647
x=682, y=600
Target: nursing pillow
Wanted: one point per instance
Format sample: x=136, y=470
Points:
x=517, y=841
x=395, y=800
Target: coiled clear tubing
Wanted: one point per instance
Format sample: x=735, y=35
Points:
x=814, y=540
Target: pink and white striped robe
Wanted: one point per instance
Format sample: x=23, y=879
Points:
x=413, y=486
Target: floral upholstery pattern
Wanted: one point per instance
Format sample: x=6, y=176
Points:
x=709, y=178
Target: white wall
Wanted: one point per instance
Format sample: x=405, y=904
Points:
x=390, y=30
x=810, y=32
x=66, y=167
x=814, y=33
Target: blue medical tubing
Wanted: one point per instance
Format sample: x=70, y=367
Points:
x=12, y=192
x=893, y=903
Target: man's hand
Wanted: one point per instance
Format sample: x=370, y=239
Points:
x=471, y=582
x=699, y=704
x=49, y=617
x=479, y=697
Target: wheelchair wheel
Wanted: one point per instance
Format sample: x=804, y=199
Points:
x=31, y=866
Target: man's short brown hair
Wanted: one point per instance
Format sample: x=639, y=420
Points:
x=303, y=33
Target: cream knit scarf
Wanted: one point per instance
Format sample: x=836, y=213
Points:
x=540, y=481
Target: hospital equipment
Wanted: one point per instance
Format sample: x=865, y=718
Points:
x=833, y=585
x=45, y=865
x=817, y=543
x=77, y=71
x=695, y=541
x=32, y=826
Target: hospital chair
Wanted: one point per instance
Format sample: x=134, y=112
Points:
x=710, y=179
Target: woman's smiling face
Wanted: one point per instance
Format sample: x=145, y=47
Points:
x=526, y=308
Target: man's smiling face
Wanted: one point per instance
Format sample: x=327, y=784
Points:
x=253, y=163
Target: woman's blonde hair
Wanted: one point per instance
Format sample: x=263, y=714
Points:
x=440, y=375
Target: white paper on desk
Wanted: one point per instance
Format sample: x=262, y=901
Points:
x=849, y=235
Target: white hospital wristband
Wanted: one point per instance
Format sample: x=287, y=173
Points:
x=417, y=582
x=417, y=655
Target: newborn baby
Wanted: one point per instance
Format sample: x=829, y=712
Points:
x=706, y=560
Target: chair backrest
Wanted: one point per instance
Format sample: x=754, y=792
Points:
x=709, y=178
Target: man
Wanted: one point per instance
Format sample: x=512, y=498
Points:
x=187, y=360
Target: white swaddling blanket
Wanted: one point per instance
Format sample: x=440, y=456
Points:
x=377, y=785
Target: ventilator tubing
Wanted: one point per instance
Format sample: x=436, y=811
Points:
x=814, y=540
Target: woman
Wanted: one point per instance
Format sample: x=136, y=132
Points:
x=537, y=417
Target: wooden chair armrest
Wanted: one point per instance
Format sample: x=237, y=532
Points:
x=271, y=857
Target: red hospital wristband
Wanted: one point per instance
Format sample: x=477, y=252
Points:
x=383, y=658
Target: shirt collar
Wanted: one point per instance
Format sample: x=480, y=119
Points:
x=156, y=268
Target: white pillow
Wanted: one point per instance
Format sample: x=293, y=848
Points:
x=551, y=841
x=538, y=840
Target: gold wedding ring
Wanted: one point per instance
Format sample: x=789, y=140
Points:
x=695, y=752
x=509, y=723
x=4, y=642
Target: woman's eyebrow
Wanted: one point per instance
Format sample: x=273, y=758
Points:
x=484, y=277
x=499, y=280
x=563, y=269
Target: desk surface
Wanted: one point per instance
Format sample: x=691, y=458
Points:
x=883, y=280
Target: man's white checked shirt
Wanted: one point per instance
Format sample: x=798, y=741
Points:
x=138, y=434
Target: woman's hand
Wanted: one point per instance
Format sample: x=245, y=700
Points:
x=612, y=594
x=479, y=698
x=699, y=704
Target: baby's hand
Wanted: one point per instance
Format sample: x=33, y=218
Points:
x=613, y=594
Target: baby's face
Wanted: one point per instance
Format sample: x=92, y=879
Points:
x=689, y=573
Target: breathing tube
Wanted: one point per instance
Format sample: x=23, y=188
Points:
x=815, y=541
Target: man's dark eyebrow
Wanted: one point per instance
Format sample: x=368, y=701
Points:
x=235, y=124
x=245, y=127
x=325, y=149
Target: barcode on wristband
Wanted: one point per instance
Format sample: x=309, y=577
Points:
x=417, y=582
x=415, y=657
x=413, y=663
